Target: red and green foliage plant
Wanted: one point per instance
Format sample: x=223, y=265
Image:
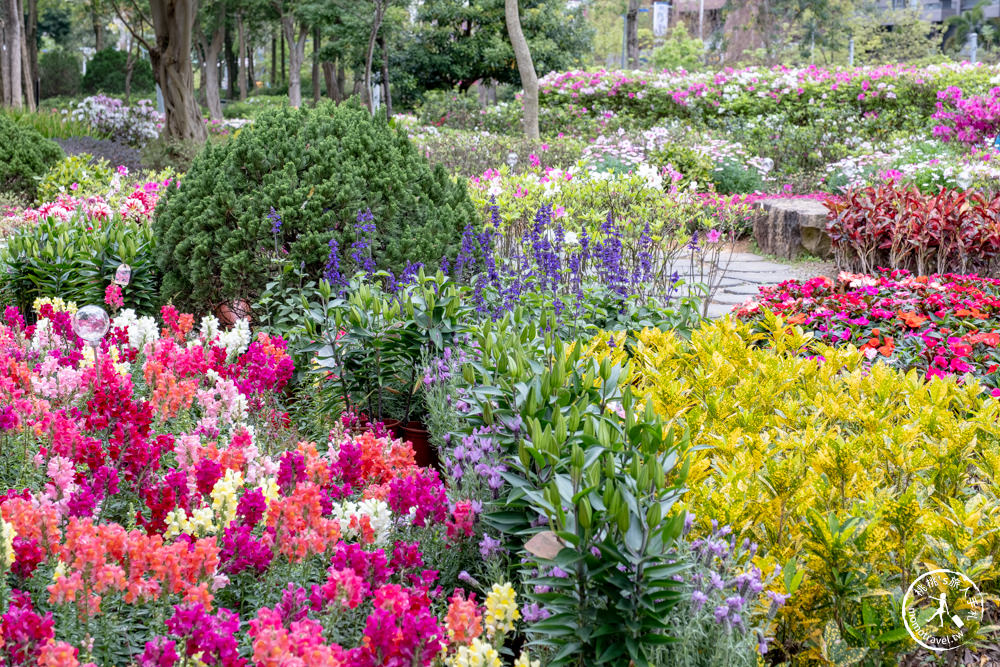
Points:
x=900, y=228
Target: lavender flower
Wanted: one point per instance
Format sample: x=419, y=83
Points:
x=698, y=600
x=489, y=546
x=532, y=613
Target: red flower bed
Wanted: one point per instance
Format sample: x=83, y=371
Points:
x=941, y=324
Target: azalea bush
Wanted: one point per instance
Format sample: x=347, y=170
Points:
x=941, y=325
x=470, y=153
x=853, y=477
x=715, y=96
x=135, y=125
x=162, y=511
x=916, y=162
x=898, y=227
x=971, y=120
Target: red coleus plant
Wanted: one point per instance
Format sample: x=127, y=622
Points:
x=900, y=228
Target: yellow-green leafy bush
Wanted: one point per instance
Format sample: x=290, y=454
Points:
x=78, y=175
x=860, y=476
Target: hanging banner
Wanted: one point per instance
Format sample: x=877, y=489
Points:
x=661, y=18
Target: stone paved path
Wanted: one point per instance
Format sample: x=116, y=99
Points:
x=746, y=272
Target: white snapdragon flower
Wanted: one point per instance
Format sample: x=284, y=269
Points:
x=236, y=340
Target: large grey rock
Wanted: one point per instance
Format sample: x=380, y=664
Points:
x=789, y=228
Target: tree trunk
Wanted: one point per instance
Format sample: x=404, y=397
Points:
x=232, y=67
x=4, y=62
x=632, y=32
x=274, y=61
x=31, y=40
x=251, y=76
x=315, y=66
x=29, y=83
x=129, y=69
x=281, y=45
x=211, y=74
x=296, y=56
x=529, y=79
x=330, y=78
x=376, y=24
x=386, y=96
x=244, y=63
x=341, y=79
x=173, y=22
x=12, y=54
x=359, y=87
x=98, y=25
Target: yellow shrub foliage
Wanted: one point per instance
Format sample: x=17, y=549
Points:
x=788, y=433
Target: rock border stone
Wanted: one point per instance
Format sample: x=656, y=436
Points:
x=791, y=227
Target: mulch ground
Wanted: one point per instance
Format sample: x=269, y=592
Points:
x=112, y=151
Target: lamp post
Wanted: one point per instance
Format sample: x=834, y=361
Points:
x=91, y=323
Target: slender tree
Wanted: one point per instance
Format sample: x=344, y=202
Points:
x=632, y=32
x=97, y=24
x=241, y=32
x=529, y=79
x=295, y=31
x=386, y=94
x=31, y=42
x=379, y=14
x=12, y=60
x=211, y=36
x=315, y=66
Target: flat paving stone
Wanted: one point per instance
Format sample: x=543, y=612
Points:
x=744, y=289
x=729, y=299
x=742, y=257
x=759, y=278
x=717, y=310
x=757, y=267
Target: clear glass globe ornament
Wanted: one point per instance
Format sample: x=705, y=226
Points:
x=91, y=323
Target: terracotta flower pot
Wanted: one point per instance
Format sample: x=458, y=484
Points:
x=229, y=313
x=416, y=434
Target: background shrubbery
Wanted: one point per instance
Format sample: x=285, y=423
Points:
x=25, y=155
x=59, y=71
x=106, y=74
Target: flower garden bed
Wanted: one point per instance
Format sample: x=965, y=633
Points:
x=940, y=325
x=616, y=481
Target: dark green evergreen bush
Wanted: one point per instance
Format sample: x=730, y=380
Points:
x=58, y=73
x=317, y=168
x=25, y=156
x=106, y=74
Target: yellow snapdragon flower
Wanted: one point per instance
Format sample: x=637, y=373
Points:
x=476, y=654
x=524, y=660
x=224, y=499
x=501, y=610
x=57, y=304
x=7, y=535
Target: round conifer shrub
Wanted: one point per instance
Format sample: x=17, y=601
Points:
x=25, y=156
x=106, y=74
x=317, y=169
